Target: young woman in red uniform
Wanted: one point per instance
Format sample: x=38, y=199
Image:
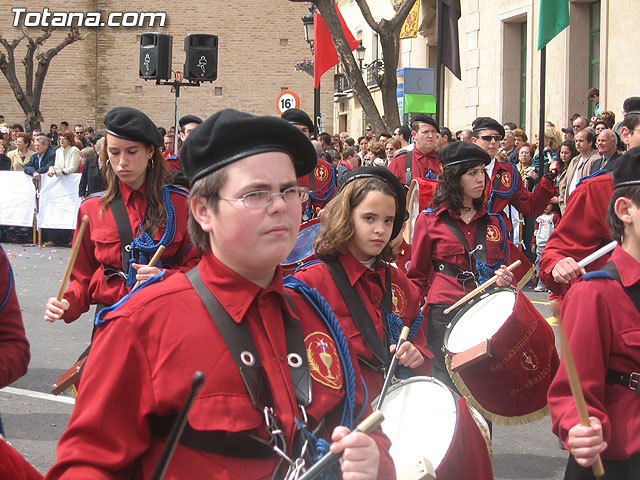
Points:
x=371, y=299
x=456, y=243
x=601, y=316
x=136, y=214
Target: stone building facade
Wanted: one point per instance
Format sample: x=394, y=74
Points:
x=259, y=44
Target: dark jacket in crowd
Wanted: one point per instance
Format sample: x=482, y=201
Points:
x=48, y=160
x=5, y=162
x=91, y=180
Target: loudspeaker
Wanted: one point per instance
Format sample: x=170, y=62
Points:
x=155, y=56
x=202, y=57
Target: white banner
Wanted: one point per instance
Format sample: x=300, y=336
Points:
x=59, y=202
x=17, y=199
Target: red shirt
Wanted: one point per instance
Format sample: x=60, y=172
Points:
x=164, y=334
x=603, y=328
x=433, y=240
x=582, y=231
x=101, y=246
x=369, y=284
x=14, y=346
x=530, y=204
x=422, y=163
x=173, y=162
x=324, y=184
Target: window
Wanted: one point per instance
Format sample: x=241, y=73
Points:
x=523, y=76
x=594, y=50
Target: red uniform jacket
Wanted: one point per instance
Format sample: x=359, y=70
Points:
x=582, y=231
x=603, y=328
x=164, y=333
x=433, y=240
x=506, y=181
x=422, y=163
x=321, y=184
x=14, y=346
x=101, y=246
x=369, y=284
x=173, y=161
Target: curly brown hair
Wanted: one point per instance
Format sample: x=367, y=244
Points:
x=338, y=229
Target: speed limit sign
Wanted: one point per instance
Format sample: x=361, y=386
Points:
x=287, y=99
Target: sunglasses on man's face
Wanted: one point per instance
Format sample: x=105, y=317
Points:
x=488, y=138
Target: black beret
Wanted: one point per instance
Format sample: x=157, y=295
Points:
x=390, y=179
x=298, y=117
x=230, y=135
x=189, y=119
x=631, y=105
x=424, y=118
x=487, y=123
x=460, y=152
x=627, y=169
x=132, y=124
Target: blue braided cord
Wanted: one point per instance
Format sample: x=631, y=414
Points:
x=594, y=174
x=323, y=309
x=515, y=178
x=99, y=321
x=597, y=274
x=307, y=264
x=178, y=190
x=143, y=246
x=186, y=250
x=2, y=428
x=485, y=270
x=319, y=197
x=430, y=175
x=100, y=194
x=10, y=286
x=395, y=325
x=319, y=445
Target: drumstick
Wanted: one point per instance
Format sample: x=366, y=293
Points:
x=392, y=368
x=576, y=391
x=366, y=426
x=151, y=263
x=72, y=258
x=597, y=254
x=482, y=287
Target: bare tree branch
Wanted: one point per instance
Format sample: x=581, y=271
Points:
x=401, y=15
x=368, y=17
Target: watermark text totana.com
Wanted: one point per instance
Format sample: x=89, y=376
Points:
x=47, y=18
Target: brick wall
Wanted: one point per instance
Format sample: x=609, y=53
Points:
x=259, y=43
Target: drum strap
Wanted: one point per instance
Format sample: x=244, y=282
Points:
x=124, y=229
x=632, y=292
x=359, y=312
x=479, y=251
x=408, y=167
x=245, y=354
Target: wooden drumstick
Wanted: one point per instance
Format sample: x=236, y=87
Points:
x=597, y=254
x=576, y=391
x=72, y=258
x=482, y=287
x=152, y=262
x=392, y=368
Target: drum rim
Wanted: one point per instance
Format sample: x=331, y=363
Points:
x=467, y=307
x=297, y=263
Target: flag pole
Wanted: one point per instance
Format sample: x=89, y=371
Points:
x=439, y=79
x=543, y=75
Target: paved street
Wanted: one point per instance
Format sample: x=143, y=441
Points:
x=34, y=424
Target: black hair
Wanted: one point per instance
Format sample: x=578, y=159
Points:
x=449, y=190
x=18, y=126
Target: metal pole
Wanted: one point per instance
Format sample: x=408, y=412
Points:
x=176, y=126
x=439, y=63
x=316, y=110
x=543, y=74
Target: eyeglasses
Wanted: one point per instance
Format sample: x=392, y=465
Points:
x=488, y=138
x=263, y=198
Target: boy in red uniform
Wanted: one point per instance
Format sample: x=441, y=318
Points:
x=371, y=299
x=602, y=318
x=272, y=365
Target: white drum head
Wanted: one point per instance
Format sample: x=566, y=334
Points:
x=481, y=321
x=413, y=207
x=420, y=416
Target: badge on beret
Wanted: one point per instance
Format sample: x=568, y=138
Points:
x=321, y=173
x=398, y=299
x=505, y=179
x=493, y=233
x=324, y=363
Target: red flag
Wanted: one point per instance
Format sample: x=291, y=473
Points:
x=325, y=55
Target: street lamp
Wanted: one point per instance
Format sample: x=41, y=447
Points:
x=360, y=53
x=307, y=23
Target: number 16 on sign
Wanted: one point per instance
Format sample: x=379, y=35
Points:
x=287, y=99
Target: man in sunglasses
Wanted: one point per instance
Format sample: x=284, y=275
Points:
x=505, y=186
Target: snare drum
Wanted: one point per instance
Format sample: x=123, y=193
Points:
x=424, y=418
x=508, y=383
x=419, y=197
x=303, y=249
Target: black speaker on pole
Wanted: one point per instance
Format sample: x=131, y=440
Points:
x=155, y=56
x=202, y=57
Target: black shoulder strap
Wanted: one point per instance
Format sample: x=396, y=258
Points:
x=479, y=239
x=358, y=311
x=245, y=354
x=632, y=292
x=124, y=229
x=408, y=167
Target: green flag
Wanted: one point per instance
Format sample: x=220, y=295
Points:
x=554, y=17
